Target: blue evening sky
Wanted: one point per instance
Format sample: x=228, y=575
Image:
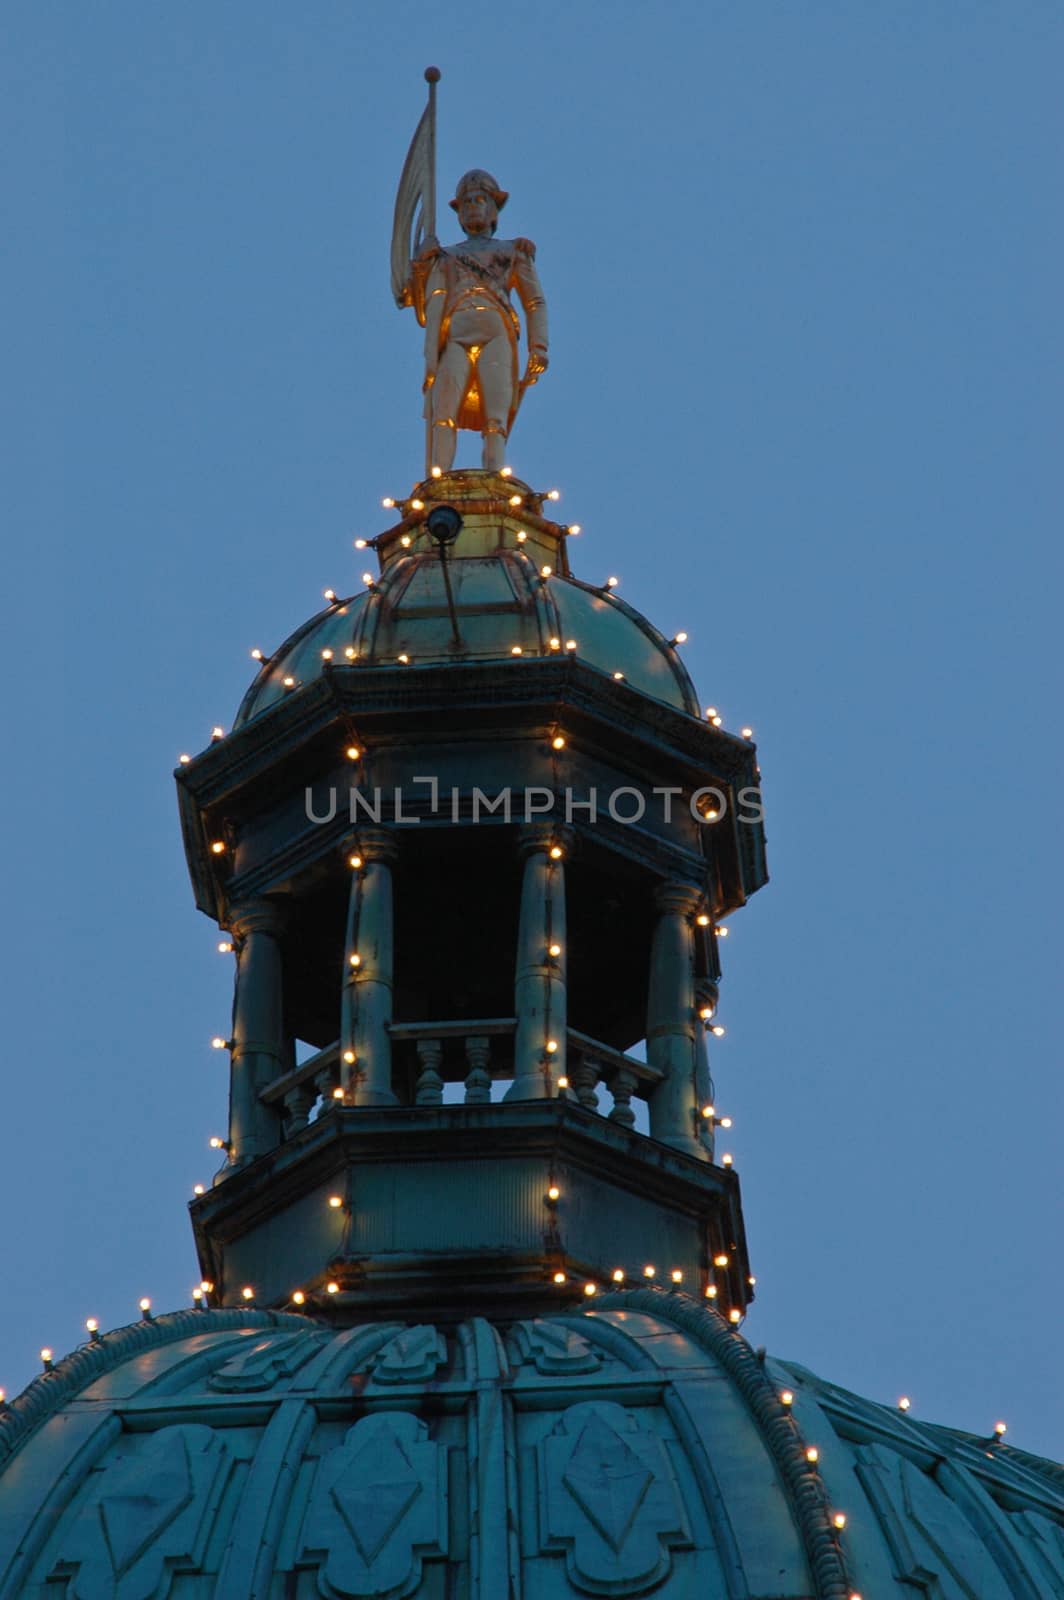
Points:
x=804, y=266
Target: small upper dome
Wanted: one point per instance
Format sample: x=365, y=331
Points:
x=640, y=1447
x=503, y=589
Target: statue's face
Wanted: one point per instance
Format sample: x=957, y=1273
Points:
x=477, y=212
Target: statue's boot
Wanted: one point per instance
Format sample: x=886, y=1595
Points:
x=493, y=457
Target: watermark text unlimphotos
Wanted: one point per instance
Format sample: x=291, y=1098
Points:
x=625, y=805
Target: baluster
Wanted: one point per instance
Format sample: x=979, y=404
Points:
x=621, y=1088
x=429, y=1091
x=326, y=1082
x=585, y=1074
x=298, y=1104
x=478, y=1078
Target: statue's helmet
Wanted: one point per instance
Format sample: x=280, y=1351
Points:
x=479, y=179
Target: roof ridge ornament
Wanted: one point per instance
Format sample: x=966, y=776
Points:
x=461, y=297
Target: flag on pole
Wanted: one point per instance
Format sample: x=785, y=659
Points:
x=415, y=203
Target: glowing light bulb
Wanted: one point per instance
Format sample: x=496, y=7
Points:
x=552, y=1046
x=705, y=1012
x=198, y=1189
x=555, y=644
x=559, y=1277
x=720, y=1261
x=299, y=1298
x=725, y=1122
x=225, y=947
x=711, y=712
x=388, y=504
x=751, y=1281
x=506, y=472
x=338, y=1094
x=839, y=1519
x=216, y=1143
x=197, y=1295
x=217, y=733
x=707, y=1111
x=735, y=1315
x=554, y=950
x=747, y=733
x=326, y=655
x=812, y=1454
x=91, y=1324
x=354, y=961
x=726, y=1160
x=649, y=1271
x=570, y=644
x=1000, y=1429
x=360, y=544
x=590, y=1288
x=367, y=578
x=574, y=527
x=611, y=583
x=717, y=1031
x=618, y=677
x=46, y=1356
x=403, y=658
x=207, y=1286
x=355, y=862
x=553, y=1193
x=405, y=541
x=545, y=572
x=247, y=1292
x=554, y=494
x=516, y=499
x=679, y=638
x=711, y=1291
x=521, y=535
x=787, y=1397
x=722, y=931
x=218, y=847
x=329, y=594
x=332, y=1288
x=711, y=814
x=617, y=1274
x=676, y=1275
x=563, y=1082
x=515, y=650
x=336, y=1201
x=256, y=655
x=556, y=852
x=183, y=760
x=417, y=505
x=350, y=652
x=558, y=742
x=349, y=1057
x=218, y=1043
x=145, y=1304
x=717, y=721
x=702, y=919
x=288, y=681
x=904, y=1403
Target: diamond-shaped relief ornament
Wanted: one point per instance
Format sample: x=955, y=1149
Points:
x=377, y=1509
x=608, y=1498
x=411, y=1357
x=146, y=1518
x=266, y=1363
x=555, y=1349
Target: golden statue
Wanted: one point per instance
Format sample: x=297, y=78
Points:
x=461, y=296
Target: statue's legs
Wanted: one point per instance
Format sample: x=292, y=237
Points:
x=495, y=381
x=442, y=445
x=453, y=377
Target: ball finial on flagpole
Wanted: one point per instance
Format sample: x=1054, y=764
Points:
x=432, y=74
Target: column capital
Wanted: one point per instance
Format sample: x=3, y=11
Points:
x=678, y=897
x=546, y=836
x=256, y=916
x=373, y=844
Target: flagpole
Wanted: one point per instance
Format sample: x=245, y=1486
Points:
x=432, y=78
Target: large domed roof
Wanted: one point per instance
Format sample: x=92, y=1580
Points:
x=512, y=595
x=639, y=1447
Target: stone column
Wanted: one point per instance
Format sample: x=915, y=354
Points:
x=539, y=978
x=673, y=1026
x=705, y=995
x=369, y=977
x=258, y=1047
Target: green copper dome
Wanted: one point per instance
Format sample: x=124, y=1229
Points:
x=512, y=593
x=640, y=1447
